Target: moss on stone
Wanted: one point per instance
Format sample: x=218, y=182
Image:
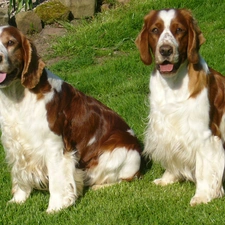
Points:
x=52, y=11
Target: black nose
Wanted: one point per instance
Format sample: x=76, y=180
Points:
x=166, y=50
x=1, y=57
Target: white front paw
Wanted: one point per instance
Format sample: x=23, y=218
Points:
x=17, y=201
x=58, y=202
x=19, y=196
x=52, y=209
x=160, y=182
x=56, y=208
x=163, y=182
x=199, y=199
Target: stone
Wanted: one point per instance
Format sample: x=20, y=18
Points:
x=4, y=19
x=123, y=1
x=80, y=8
x=105, y=7
x=53, y=11
x=28, y=22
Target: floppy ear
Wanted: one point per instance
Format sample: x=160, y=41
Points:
x=195, y=40
x=33, y=65
x=142, y=41
x=143, y=46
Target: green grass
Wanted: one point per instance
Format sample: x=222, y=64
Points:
x=102, y=61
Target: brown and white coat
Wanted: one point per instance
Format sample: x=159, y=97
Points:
x=54, y=136
x=186, y=129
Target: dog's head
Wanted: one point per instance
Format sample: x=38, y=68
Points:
x=172, y=37
x=18, y=59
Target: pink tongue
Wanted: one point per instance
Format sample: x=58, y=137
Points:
x=2, y=77
x=166, y=68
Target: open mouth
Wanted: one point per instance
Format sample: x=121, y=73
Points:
x=167, y=67
x=2, y=77
x=7, y=78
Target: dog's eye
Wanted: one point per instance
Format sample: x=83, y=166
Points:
x=10, y=43
x=155, y=30
x=179, y=30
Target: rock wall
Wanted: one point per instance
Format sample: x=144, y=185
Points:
x=31, y=21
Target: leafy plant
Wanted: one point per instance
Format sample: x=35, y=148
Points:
x=15, y=6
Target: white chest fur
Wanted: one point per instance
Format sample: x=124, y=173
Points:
x=178, y=125
x=26, y=135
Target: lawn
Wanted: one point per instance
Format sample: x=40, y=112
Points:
x=102, y=61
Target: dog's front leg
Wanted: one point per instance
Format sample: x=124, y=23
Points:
x=210, y=161
x=62, y=185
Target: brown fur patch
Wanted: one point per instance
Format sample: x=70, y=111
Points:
x=197, y=79
x=79, y=118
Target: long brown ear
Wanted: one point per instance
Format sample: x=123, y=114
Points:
x=195, y=39
x=33, y=65
x=143, y=46
x=142, y=41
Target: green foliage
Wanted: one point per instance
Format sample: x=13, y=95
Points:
x=17, y=5
x=99, y=57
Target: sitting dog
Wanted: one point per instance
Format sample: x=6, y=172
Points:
x=186, y=129
x=54, y=136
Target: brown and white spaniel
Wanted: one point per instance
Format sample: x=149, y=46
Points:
x=186, y=129
x=54, y=136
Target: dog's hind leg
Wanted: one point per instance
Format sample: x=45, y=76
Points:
x=113, y=167
x=167, y=178
x=19, y=195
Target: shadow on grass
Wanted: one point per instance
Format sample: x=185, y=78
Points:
x=146, y=165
